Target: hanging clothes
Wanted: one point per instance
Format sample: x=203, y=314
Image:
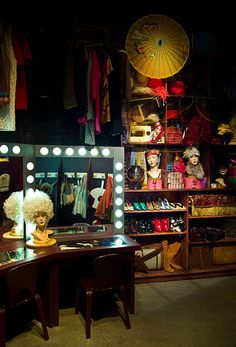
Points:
x=89, y=138
x=8, y=73
x=106, y=201
x=107, y=68
x=80, y=204
x=23, y=57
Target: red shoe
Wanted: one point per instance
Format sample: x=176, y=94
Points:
x=165, y=224
x=158, y=225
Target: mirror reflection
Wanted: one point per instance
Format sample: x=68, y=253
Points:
x=81, y=189
x=86, y=185
x=11, y=196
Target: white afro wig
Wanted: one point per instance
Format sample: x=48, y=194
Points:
x=37, y=202
x=13, y=207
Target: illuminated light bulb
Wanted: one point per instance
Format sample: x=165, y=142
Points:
x=16, y=149
x=30, y=166
x=119, y=213
x=119, y=178
x=30, y=179
x=105, y=152
x=4, y=149
x=118, y=225
x=118, y=202
x=94, y=152
x=69, y=151
x=56, y=151
x=118, y=189
x=44, y=151
x=82, y=151
x=119, y=166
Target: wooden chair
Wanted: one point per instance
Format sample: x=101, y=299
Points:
x=107, y=276
x=22, y=288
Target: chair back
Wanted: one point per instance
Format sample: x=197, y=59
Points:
x=21, y=283
x=107, y=270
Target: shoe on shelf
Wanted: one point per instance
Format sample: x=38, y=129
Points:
x=130, y=206
x=179, y=205
x=161, y=204
x=155, y=205
x=143, y=206
x=166, y=204
x=165, y=224
x=149, y=205
x=158, y=225
x=136, y=206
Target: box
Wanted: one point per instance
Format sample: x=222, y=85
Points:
x=224, y=255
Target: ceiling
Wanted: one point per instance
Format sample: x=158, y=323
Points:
x=116, y=18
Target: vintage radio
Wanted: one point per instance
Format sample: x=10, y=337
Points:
x=140, y=133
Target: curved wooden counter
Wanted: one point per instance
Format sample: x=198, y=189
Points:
x=53, y=259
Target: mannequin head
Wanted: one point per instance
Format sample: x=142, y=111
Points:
x=192, y=154
x=152, y=157
x=194, y=159
x=41, y=220
x=194, y=167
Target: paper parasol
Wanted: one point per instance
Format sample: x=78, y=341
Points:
x=157, y=46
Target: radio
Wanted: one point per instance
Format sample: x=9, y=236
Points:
x=140, y=133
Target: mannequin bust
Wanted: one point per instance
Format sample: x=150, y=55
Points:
x=38, y=209
x=193, y=167
x=153, y=161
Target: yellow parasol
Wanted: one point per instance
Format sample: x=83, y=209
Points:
x=157, y=46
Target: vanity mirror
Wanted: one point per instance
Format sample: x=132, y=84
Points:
x=86, y=185
x=16, y=163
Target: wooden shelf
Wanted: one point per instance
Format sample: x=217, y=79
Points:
x=163, y=276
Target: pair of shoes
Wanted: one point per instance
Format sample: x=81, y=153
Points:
x=143, y=206
x=179, y=205
x=157, y=225
x=161, y=225
x=137, y=206
x=155, y=205
x=128, y=206
x=149, y=205
x=164, y=204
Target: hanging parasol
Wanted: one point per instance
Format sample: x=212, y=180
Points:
x=157, y=46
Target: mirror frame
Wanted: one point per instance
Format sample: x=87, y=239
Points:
x=30, y=153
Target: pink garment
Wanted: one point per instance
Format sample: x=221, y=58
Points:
x=95, y=89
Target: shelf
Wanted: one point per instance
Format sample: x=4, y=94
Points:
x=158, y=234
x=211, y=217
x=155, y=211
x=225, y=240
x=163, y=276
x=202, y=190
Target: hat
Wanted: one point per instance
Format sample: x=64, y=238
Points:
x=190, y=152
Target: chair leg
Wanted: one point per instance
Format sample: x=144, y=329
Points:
x=89, y=300
x=41, y=316
x=77, y=298
x=125, y=306
x=2, y=327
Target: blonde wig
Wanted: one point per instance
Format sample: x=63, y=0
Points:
x=13, y=207
x=36, y=203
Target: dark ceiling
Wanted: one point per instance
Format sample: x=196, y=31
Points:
x=116, y=17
